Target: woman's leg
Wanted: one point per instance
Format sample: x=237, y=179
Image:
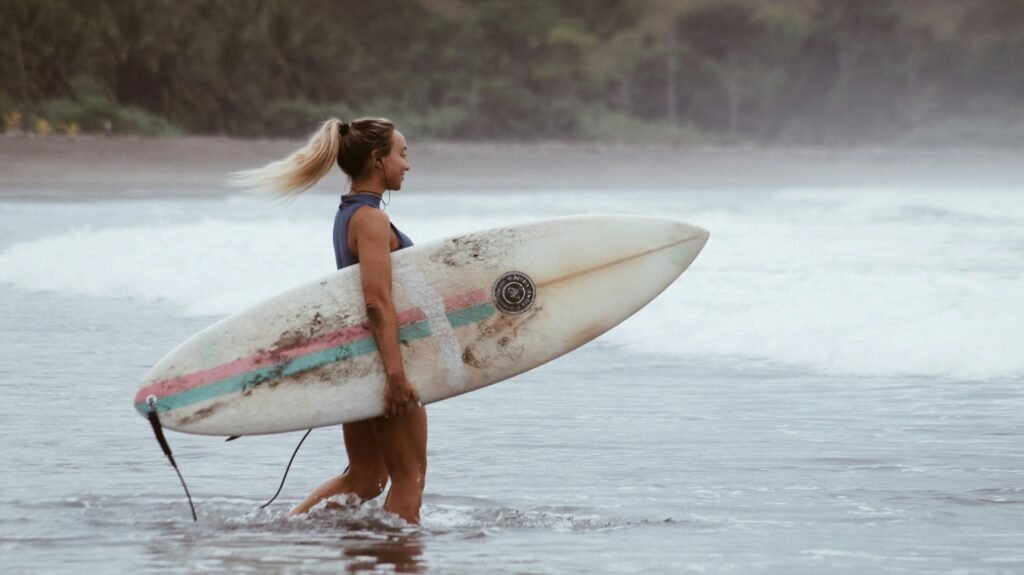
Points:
x=366, y=475
x=403, y=443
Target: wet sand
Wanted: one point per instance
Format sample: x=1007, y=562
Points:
x=96, y=167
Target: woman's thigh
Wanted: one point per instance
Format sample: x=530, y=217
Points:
x=403, y=443
x=364, y=453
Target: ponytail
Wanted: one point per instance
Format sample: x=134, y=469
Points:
x=299, y=171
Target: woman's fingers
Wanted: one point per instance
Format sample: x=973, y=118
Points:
x=402, y=403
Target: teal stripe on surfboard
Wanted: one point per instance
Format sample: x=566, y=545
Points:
x=244, y=381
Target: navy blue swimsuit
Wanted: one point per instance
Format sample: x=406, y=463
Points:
x=343, y=256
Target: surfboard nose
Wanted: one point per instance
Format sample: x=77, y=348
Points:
x=697, y=233
x=647, y=234
x=702, y=237
x=689, y=240
x=659, y=229
x=680, y=232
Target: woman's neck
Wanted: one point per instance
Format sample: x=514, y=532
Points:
x=356, y=191
x=368, y=186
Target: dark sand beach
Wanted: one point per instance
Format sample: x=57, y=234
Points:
x=93, y=167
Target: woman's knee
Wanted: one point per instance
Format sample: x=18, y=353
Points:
x=409, y=474
x=369, y=480
x=403, y=443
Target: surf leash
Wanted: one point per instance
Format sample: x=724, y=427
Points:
x=158, y=430
x=286, y=469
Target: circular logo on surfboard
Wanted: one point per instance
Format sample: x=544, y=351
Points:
x=513, y=293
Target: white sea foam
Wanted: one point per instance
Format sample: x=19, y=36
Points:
x=860, y=285
x=858, y=282
x=210, y=267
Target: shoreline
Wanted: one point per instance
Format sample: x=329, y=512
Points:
x=80, y=168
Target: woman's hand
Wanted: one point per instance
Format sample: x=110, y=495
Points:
x=400, y=397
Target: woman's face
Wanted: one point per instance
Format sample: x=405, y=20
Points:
x=396, y=163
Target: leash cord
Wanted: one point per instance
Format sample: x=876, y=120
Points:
x=154, y=421
x=286, y=469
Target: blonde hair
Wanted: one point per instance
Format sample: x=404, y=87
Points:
x=348, y=145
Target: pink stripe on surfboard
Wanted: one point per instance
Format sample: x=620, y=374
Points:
x=266, y=358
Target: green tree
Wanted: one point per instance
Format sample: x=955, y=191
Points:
x=40, y=49
x=722, y=34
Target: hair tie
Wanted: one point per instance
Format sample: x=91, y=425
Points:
x=343, y=128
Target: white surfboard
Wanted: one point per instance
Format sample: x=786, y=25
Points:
x=473, y=310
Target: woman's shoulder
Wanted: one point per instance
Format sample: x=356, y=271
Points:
x=370, y=218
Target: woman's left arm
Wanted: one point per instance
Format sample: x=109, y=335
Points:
x=372, y=239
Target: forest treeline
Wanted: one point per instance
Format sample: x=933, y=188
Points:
x=789, y=72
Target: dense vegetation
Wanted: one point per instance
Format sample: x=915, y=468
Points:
x=804, y=72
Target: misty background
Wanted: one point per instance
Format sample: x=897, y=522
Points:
x=921, y=73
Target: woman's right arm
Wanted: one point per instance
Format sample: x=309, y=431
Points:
x=371, y=231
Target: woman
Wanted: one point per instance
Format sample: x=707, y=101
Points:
x=373, y=155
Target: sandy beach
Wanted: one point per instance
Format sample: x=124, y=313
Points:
x=96, y=167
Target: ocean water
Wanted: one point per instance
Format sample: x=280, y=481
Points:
x=836, y=385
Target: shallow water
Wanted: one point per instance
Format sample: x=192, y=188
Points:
x=836, y=385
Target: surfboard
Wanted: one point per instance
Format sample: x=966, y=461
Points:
x=473, y=310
